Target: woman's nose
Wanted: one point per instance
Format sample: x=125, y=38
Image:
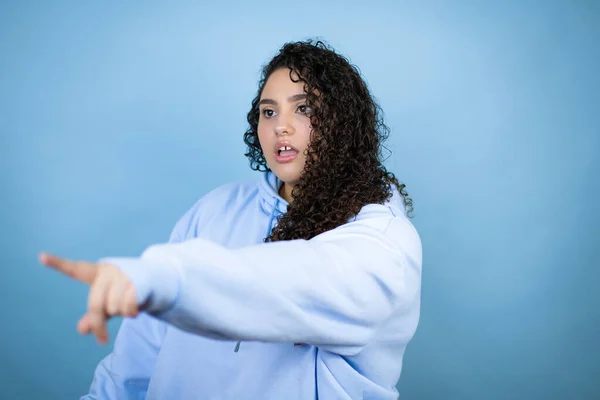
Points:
x=284, y=125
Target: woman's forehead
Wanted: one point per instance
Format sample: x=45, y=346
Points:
x=280, y=83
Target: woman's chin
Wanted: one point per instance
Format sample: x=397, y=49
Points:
x=287, y=175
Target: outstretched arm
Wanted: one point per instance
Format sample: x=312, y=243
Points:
x=335, y=289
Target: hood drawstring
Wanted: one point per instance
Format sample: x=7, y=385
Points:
x=269, y=229
x=275, y=209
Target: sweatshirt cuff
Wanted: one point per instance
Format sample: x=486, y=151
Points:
x=156, y=285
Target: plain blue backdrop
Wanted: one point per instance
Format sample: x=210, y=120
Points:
x=115, y=118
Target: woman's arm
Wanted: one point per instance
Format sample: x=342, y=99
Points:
x=335, y=289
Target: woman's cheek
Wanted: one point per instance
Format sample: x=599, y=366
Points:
x=262, y=139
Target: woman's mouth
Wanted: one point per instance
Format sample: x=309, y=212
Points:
x=285, y=153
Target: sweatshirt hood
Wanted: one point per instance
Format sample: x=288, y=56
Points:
x=271, y=203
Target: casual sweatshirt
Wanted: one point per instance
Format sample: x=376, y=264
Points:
x=227, y=316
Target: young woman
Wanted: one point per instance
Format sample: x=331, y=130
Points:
x=303, y=285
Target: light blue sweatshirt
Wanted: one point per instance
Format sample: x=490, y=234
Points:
x=230, y=317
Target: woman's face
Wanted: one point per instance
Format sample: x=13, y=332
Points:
x=284, y=125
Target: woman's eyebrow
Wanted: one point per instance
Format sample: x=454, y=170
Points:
x=297, y=97
x=267, y=101
x=291, y=99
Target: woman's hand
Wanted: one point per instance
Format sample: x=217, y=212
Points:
x=111, y=293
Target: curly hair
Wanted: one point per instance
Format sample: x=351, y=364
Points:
x=343, y=170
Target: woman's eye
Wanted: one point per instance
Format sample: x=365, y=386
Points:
x=304, y=109
x=267, y=113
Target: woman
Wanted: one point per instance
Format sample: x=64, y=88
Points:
x=324, y=309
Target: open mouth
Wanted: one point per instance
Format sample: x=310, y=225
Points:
x=286, y=151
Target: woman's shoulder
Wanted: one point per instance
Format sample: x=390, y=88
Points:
x=232, y=189
x=221, y=199
x=394, y=208
x=385, y=218
x=390, y=220
x=227, y=195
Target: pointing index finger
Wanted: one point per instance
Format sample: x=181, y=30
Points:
x=80, y=270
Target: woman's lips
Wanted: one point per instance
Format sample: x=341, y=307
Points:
x=285, y=156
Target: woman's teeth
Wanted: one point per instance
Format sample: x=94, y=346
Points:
x=284, y=148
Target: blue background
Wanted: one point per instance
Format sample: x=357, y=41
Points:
x=115, y=118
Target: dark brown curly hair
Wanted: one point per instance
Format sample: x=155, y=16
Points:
x=343, y=170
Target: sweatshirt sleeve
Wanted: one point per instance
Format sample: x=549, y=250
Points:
x=333, y=290
x=125, y=373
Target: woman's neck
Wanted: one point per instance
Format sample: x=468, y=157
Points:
x=285, y=191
